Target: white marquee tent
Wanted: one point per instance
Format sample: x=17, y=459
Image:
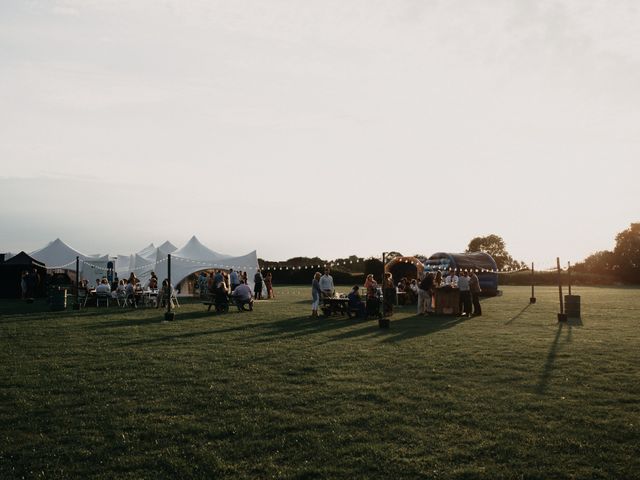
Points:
x=185, y=261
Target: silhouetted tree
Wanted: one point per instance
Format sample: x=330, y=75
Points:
x=627, y=253
x=494, y=245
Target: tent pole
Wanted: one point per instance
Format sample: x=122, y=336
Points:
x=169, y=315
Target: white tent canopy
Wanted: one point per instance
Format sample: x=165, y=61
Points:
x=195, y=250
x=168, y=247
x=58, y=254
x=182, y=267
x=147, y=252
x=191, y=258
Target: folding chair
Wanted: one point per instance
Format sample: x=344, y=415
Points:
x=83, y=296
x=129, y=300
x=102, y=297
x=174, y=299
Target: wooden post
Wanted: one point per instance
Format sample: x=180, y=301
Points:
x=533, y=294
x=383, y=322
x=561, y=316
x=169, y=315
x=77, y=304
x=569, y=276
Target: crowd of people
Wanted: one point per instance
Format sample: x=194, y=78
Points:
x=407, y=291
x=129, y=290
x=233, y=287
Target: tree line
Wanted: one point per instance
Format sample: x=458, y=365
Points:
x=622, y=265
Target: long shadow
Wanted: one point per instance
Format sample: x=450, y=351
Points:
x=547, y=370
x=268, y=331
x=417, y=326
x=167, y=338
x=291, y=328
x=518, y=315
x=158, y=316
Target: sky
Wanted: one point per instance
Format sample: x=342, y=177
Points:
x=320, y=128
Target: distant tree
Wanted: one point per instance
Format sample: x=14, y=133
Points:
x=494, y=245
x=627, y=253
x=374, y=266
x=599, y=262
x=392, y=255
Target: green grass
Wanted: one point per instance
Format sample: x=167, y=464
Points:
x=276, y=394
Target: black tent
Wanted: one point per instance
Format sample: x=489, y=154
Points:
x=11, y=276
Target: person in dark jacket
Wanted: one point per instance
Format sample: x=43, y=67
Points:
x=257, y=288
x=474, y=286
x=425, y=290
x=355, y=302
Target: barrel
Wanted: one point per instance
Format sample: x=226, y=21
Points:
x=59, y=299
x=572, y=306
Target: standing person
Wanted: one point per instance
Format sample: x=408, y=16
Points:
x=451, y=280
x=268, y=282
x=388, y=294
x=373, y=302
x=32, y=281
x=244, y=278
x=326, y=284
x=437, y=282
x=257, y=288
x=218, y=278
x=474, y=286
x=23, y=284
x=465, y=294
x=316, y=293
x=234, y=280
x=425, y=289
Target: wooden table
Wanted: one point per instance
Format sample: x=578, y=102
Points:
x=447, y=301
x=335, y=305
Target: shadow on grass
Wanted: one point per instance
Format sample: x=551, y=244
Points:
x=547, y=370
x=417, y=326
x=296, y=327
x=518, y=315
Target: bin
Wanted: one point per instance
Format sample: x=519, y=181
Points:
x=572, y=306
x=59, y=300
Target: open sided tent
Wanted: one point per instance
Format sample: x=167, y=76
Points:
x=142, y=266
x=481, y=262
x=195, y=250
x=95, y=266
x=168, y=247
x=147, y=252
x=123, y=264
x=182, y=267
x=58, y=255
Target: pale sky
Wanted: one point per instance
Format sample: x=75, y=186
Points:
x=325, y=128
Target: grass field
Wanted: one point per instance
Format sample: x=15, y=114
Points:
x=275, y=394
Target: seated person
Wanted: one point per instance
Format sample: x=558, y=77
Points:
x=152, y=284
x=221, y=298
x=103, y=287
x=355, y=302
x=242, y=296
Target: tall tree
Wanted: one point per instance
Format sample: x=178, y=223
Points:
x=494, y=245
x=627, y=253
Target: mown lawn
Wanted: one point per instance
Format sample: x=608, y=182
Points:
x=276, y=394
